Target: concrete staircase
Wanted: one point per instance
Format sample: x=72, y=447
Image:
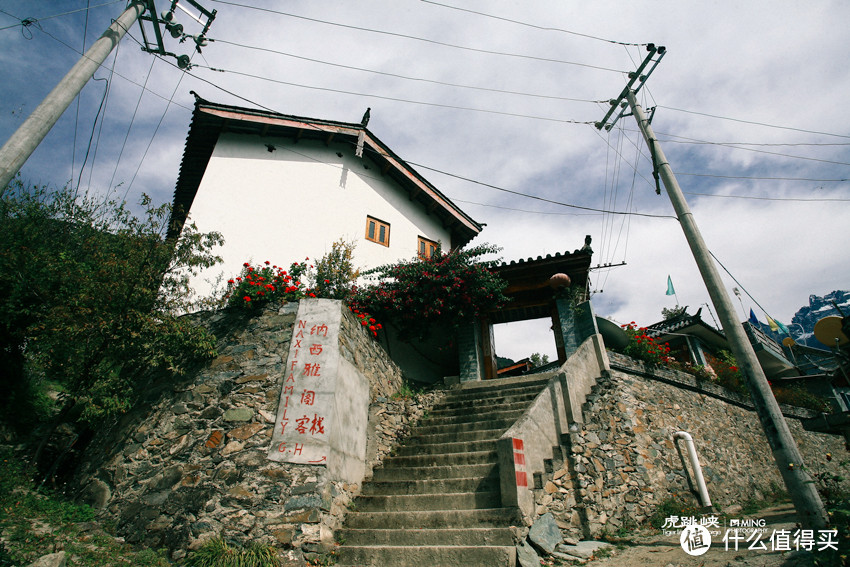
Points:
x=437, y=502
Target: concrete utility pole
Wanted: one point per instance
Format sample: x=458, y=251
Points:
x=800, y=486
x=26, y=139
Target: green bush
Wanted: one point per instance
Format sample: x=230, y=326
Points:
x=91, y=299
x=335, y=275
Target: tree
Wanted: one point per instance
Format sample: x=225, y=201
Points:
x=537, y=360
x=673, y=312
x=91, y=300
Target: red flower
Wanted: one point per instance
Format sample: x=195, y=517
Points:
x=246, y=298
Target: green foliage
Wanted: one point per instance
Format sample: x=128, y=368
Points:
x=442, y=291
x=406, y=391
x=672, y=312
x=91, y=298
x=267, y=283
x=537, y=360
x=643, y=347
x=218, y=553
x=335, y=274
x=800, y=397
x=674, y=505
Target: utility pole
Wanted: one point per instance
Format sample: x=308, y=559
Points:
x=30, y=134
x=800, y=485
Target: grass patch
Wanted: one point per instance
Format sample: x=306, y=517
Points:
x=218, y=553
x=36, y=522
x=675, y=505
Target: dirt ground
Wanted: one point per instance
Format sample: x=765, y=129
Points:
x=643, y=549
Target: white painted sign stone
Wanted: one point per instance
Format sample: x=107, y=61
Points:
x=305, y=415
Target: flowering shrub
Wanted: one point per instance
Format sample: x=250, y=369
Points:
x=643, y=347
x=444, y=290
x=367, y=321
x=257, y=285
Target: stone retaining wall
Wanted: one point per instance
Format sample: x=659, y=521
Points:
x=191, y=463
x=622, y=464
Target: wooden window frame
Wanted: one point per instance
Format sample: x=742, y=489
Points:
x=376, y=235
x=425, y=242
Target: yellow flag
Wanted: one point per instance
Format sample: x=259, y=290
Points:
x=773, y=326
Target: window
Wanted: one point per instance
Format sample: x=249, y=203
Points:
x=377, y=231
x=427, y=248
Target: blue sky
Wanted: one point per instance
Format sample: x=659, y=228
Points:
x=751, y=111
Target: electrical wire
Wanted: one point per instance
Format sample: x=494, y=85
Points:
x=405, y=77
x=77, y=113
x=106, y=106
x=764, y=178
x=88, y=149
x=394, y=99
x=739, y=284
x=537, y=198
x=30, y=21
x=130, y=126
x=524, y=210
x=425, y=40
x=792, y=199
x=153, y=136
x=526, y=24
x=755, y=123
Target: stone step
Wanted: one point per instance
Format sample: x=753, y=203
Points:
x=433, y=519
x=474, y=417
x=417, y=537
x=445, y=459
x=473, y=403
x=417, y=556
x=422, y=502
x=442, y=448
x=478, y=409
x=393, y=474
x=436, y=429
x=456, y=436
x=432, y=486
x=493, y=391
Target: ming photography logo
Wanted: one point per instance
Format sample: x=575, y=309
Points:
x=697, y=534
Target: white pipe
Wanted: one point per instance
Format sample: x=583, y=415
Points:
x=692, y=455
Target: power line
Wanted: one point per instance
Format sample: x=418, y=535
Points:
x=130, y=126
x=30, y=21
x=535, y=197
x=526, y=24
x=755, y=123
x=766, y=152
x=794, y=199
x=394, y=99
x=405, y=77
x=764, y=178
x=523, y=210
x=425, y=40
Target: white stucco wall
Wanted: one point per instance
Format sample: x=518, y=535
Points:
x=294, y=202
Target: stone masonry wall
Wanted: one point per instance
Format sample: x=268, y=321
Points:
x=622, y=464
x=191, y=463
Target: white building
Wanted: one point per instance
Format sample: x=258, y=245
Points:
x=283, y=188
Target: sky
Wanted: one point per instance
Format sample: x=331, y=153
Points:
x=494, y=103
